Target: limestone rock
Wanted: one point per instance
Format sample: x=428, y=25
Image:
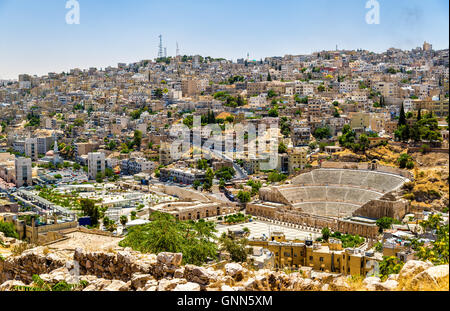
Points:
x=10, y=285
x=116, y=286
x=188, y=287
x=170, y=259
x=371, y=282
x=390, y=285
x=179, y=273
x=431, y=276
x=412, y=268
x=197, y=274
x=139, y=280
x=234, y=270
x=339, y=284
x=168, y=285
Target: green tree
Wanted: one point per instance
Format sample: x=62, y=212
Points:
x=9, y=230
x=326, y=233
x=195, y=240
x=390, y=265
x=271, y=94
x=405, y=161
x=237, y=248
x=282, y=148
x=322, y=133
x=196, y=184
x=384, y=223
x=90, y=209
x=244, y=196
x=402, y=118
x=123, y=220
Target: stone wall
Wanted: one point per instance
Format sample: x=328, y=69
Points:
x=298, y=218
x=381, y=208
x=28, y=264
x=272, y=194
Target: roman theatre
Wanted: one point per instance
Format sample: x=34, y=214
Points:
x=346, y=198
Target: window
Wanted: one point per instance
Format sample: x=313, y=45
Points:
x=311, y=258
x=321, y=259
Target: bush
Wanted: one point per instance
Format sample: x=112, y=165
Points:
x=405, y=161
x=9, y=230
x=379, y=247
x=195, y=240
x=390, y=265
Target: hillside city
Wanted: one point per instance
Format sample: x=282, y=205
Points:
x=334, y=174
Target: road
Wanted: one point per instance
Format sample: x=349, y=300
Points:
x=240, y=172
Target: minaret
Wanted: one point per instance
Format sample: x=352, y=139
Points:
x=55, y=146
x=55, y=151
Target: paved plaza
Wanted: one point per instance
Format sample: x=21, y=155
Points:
x=259, y=228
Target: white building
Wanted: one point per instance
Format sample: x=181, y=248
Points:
x=96, y=164
x=23, y=172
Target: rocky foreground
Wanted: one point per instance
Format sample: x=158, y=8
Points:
x=126, y=270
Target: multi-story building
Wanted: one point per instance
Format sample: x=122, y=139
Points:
x=296, y=159
x=23, y=172
x=96, y=164
x=182, y=175
x=31, y=148
x=137, y=165
x=327, y=257
x=300, y=135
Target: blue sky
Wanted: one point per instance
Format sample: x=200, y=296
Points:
x=35, y=39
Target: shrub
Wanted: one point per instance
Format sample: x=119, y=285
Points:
x=390, y=265
x=9, y=230
x=195, y=240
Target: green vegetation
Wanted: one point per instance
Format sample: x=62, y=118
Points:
x=326, y=233
x=348, y=240
x=386, y=223
x=322, y=133
x=405, y=161
x=348, y=140
x=236, y=218
x=437, y=251
x=195, y=240
x=208, y=180
x=282, y=148
x=9, y=230
x=273, y=112
x=390, y=265
x=276, y=177
x=226, y=173
x=40, y=285
x=378, y=247
x=202, y=164
x=244, y=196
x=70, y=201
x=33, y=120
x=237, y=248
x=256, y=185
x=90, y=209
